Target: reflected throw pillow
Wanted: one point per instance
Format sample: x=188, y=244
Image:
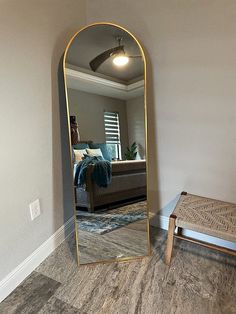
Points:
x=104, y=148
x=81, y=146
x=94, y=152
x=79, y=154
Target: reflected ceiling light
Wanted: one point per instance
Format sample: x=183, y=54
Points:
x=120, y=60
x=118, y=54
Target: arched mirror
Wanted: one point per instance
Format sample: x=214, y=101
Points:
x=105, y=83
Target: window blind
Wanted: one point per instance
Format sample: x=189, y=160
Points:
x=112, y=127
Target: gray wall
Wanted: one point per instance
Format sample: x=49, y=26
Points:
x=89, y=109
x=191, y=102
x=191, y=48
x=33, y=37
x=136, y=124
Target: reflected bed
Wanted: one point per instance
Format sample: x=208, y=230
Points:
x=128, y=182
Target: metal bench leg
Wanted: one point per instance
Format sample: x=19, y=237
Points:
x=170, y=239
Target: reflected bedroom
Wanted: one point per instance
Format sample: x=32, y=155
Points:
x=106, y=108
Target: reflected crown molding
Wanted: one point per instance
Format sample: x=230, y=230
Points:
x=100, y=86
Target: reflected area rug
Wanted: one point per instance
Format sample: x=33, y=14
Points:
x=104, y=221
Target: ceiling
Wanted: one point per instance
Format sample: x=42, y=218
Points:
x=101, y=86
x=96, y=39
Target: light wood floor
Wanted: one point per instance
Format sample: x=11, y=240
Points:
x=199, y=281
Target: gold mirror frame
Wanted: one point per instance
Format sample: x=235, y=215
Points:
x=124, y=259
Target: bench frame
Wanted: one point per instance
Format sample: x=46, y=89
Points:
x=172, y=235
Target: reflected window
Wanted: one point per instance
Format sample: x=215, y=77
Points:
x=112, y=133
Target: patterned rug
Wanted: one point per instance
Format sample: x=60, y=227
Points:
x=104, y=221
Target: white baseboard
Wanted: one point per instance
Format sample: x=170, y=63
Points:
x=163, y=221
x=159, y=221
x=15, y=277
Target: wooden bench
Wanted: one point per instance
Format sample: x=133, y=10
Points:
x=204, y=215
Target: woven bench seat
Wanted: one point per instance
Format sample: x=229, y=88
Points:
x=204, y=215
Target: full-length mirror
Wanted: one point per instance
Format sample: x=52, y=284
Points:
x=105, y=81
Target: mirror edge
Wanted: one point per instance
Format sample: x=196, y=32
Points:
x=124, y=259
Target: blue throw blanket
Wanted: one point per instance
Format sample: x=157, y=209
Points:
x=101, y=174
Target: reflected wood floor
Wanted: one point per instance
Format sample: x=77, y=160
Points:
x=199, y=281
x=131, y=240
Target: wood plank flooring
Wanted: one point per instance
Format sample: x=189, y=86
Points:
x=199, y=281
x=131, y=240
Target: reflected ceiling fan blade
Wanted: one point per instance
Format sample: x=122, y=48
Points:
x=96, y=62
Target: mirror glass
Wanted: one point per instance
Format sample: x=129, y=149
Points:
x=104, y=69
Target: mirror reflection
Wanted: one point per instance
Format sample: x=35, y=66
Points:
x=104, y=69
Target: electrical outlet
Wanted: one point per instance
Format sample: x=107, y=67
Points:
x=34, y=209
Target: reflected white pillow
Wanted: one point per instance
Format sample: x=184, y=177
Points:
x=94, y=152
x=79, y=154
